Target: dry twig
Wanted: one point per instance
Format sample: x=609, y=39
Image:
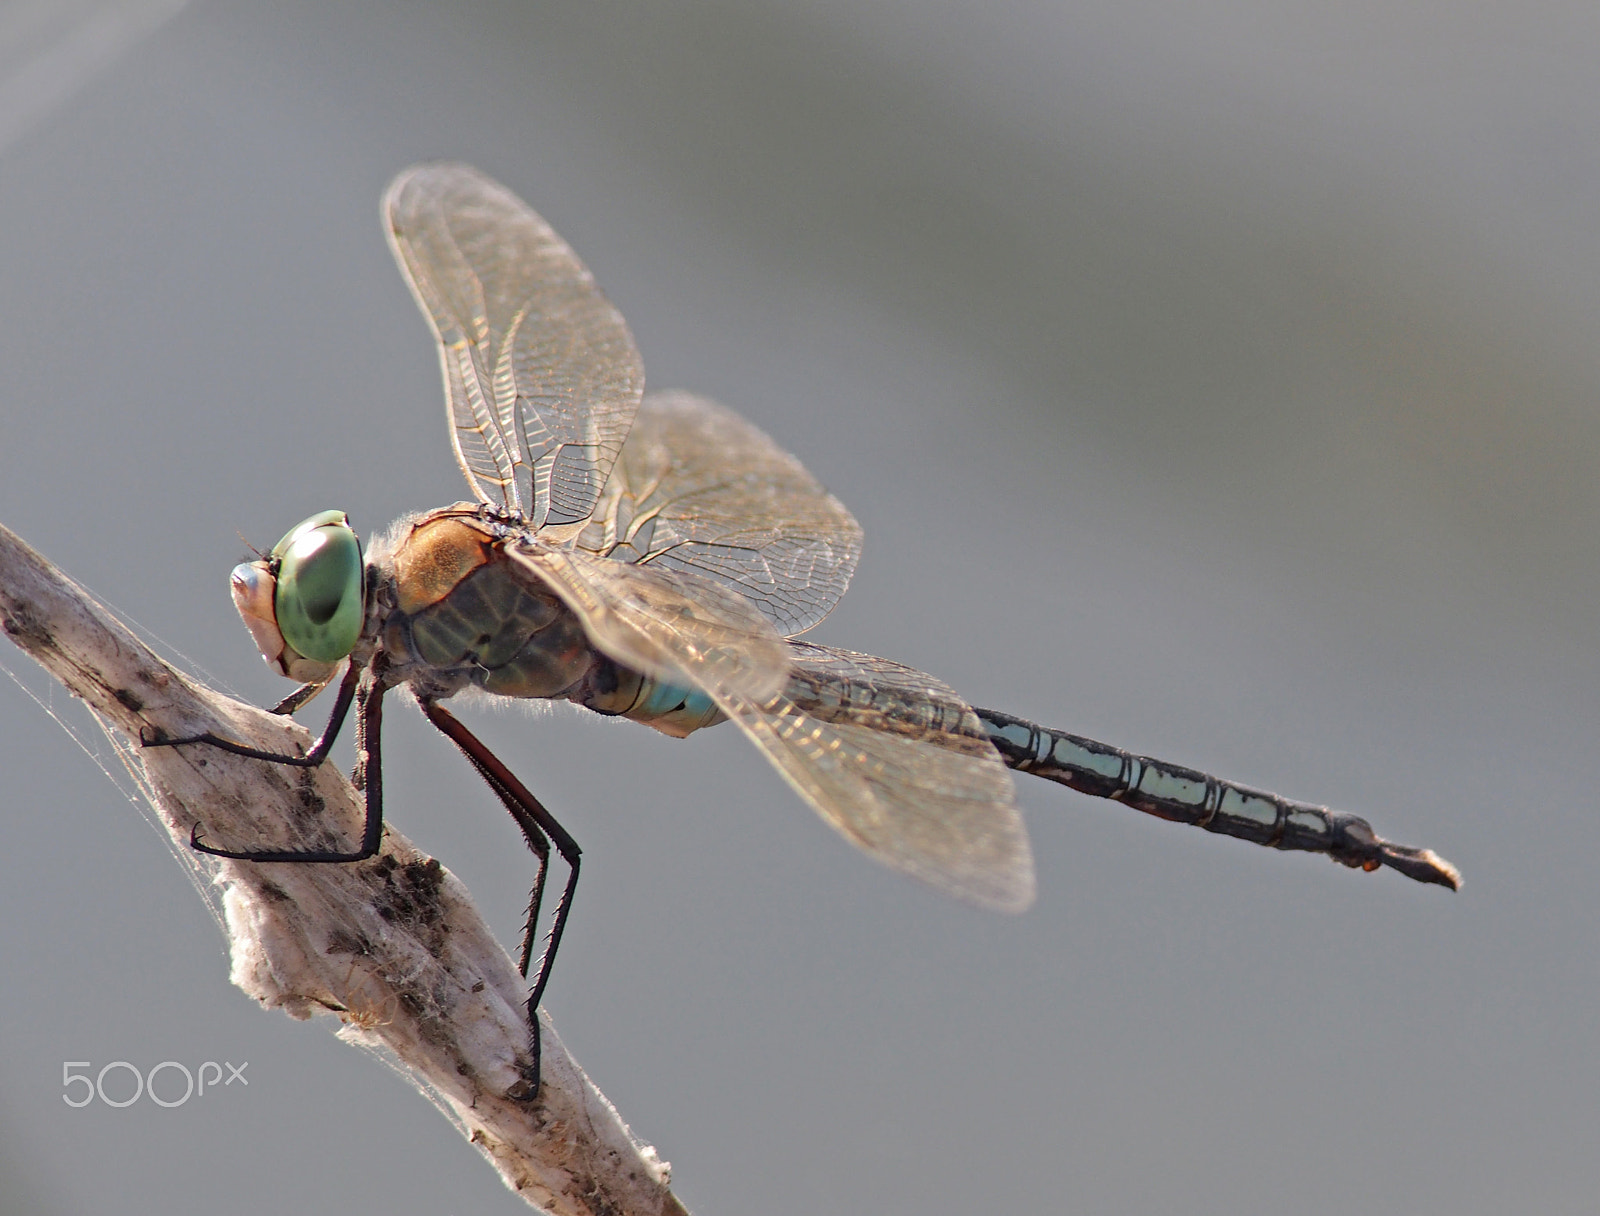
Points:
x=392, y=945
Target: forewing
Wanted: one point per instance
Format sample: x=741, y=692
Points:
x=896, y=761
x=672, y=625
x=699, y=488
x=541, y=374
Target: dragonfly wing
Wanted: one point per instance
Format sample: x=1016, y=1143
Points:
x=699, y=488
x=897, y=762
x=541, y=374
x=672, y=625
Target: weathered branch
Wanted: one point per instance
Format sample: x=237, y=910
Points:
x=393, y=945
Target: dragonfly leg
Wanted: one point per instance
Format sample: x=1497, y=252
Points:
x=300, y=696
x=539, y=828
x=538, y=845
x=368, y=778
x=319, y=749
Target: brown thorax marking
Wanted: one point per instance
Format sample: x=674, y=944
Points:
x=442, y=548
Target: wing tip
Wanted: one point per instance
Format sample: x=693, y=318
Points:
x=1014, y=897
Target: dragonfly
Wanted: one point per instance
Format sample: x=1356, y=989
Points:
x=657, y=557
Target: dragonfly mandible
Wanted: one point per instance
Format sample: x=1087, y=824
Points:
x=657, y=557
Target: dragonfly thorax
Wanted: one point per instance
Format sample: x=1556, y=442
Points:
x=458, y=612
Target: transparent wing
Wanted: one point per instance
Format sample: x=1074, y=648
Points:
x=541, y=374
x=672, y=625
x=698, y=488
x=898, y=763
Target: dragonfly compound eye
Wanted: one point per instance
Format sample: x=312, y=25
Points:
x=318, y=600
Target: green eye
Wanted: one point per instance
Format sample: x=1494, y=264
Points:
x=318, y=601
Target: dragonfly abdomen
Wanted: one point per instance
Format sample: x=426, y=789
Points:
x=1183, y=795
x=618, y=691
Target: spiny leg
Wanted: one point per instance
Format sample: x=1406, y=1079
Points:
x=368, y=778
x=319, y=750
x=300, y=696
x=538, y=845
x=529, y=812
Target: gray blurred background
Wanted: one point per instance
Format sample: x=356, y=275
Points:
x=1217, y=380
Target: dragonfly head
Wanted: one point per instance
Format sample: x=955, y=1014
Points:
x=305, y=604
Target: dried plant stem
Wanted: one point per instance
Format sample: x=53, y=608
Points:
x=392, y=945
